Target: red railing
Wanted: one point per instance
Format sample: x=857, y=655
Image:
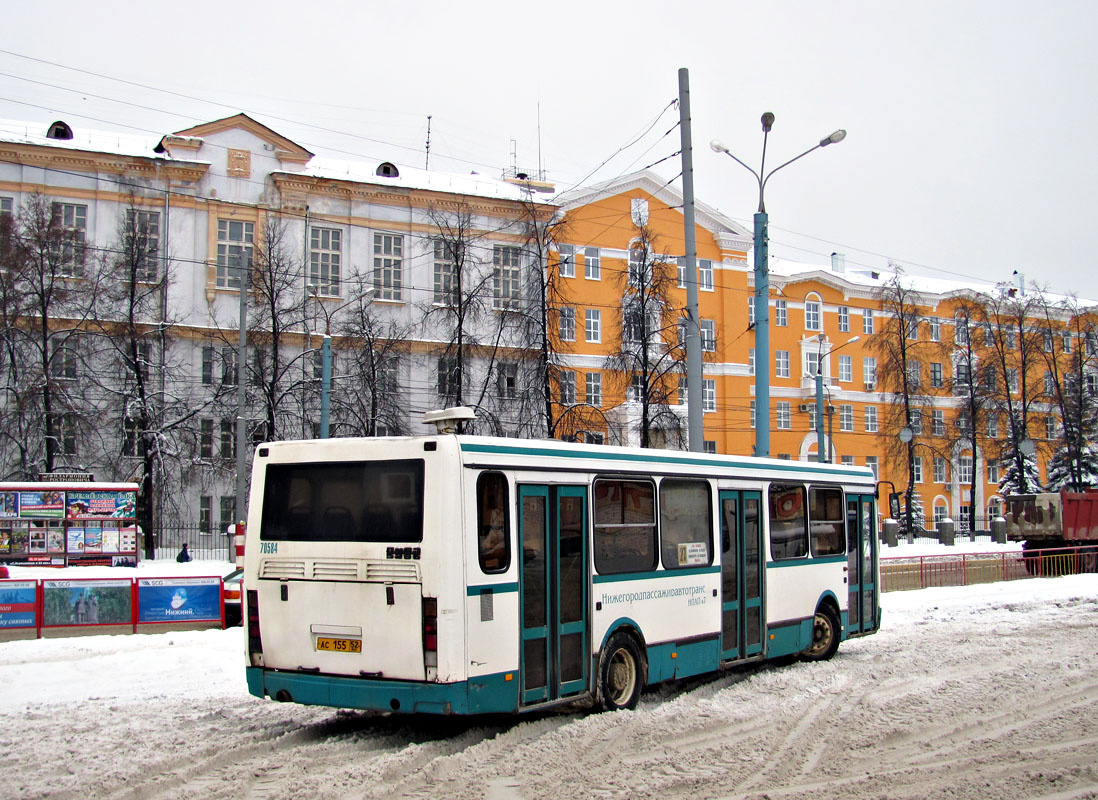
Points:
x=964, y=569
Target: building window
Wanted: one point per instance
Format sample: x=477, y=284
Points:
x=228, y=366
x=228, y=439
x=751, y=361
x=592, y=264
x=235, y=240
x=938, y=422
x=914, y=374
x=567, y=387
x=964, y=469
x=1050, y=427
x=705, y=275
x=592, y=325
x=205, y=513
x=994, y=509
x=812, y=315
x=784, y=416
x=142, y=243
x=593, y=388
x=228, y=511
x=869, y=372
x=846, y=368
x=871, y=462
x=993, y=472
x=133, y=443
x=507, y=380
x=708, y=335
x=781, y=313
x=634, y=393
x=913, y=328
x=846, y=461
x=846, y=417
x=939, y=514
x=936, y=375
x=1066, y=338
x=709, y=446
x=917, y=468
x=324, y=258
x=388, y=266
x=640, y=271
x=935, y=326
x=448, y=378
x=1050, y=383
x=811, y=416
x=781, y=363
x=1012, y=380
x=63, y=363
x=682, y=390
x=71, y=221
x=939, y=469
x=752, y=413
x=812, y=363
x=205, y=439
x=915, y=421
x=568, y=324
x=709, y=395
x=751, y=310
x=867, y=321
x=871, y=419
x=961, y=378
x=844, y=319
x=960, y=329
x=506, y=277
x=566, y=261
x=447, y=256
x=993, y=426
x=64, y=432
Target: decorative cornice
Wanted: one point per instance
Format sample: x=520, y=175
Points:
x=44, y=156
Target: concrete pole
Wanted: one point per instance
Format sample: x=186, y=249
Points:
x=820, y=443
x=241, y=398
x=325, y=383
x=762, y=336
x=694, y=413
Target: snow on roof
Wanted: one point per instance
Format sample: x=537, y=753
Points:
x=122, y=144
x=871, y=279
x=411, y=178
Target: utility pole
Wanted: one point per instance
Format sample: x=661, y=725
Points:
x=694, y=416
x=242, y=271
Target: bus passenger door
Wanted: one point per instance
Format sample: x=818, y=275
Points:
x=741, y=575
x=553, y=525
x=861, y=560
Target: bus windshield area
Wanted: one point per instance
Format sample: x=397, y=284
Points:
x=366, y=501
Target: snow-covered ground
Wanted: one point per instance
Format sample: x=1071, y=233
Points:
x=983, y=692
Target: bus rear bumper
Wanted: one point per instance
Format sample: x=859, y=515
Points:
x=480, y=695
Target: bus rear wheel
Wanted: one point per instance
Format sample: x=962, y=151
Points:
x=621, y=673
x=825, y=635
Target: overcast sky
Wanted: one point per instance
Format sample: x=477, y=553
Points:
x=971, y=125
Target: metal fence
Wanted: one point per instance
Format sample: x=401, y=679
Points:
x=964, y=569
x=202, y=545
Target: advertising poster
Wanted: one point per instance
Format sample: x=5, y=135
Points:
x=87, y=602
x=5, y=540
x=37, y=540
x=18, y=604
x=55, y=540
x=38, y=505
x=127, y=540
x=93, y=540
x=9, y=505
x=100, y=505
x=19, y=539
x=109, y=537
x=75, y=537
x=178, y=599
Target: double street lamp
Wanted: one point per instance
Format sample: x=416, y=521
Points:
x=762, y=280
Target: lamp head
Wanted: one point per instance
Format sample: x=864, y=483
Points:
x=717, y=146
x=767, y=122
x=834, y=138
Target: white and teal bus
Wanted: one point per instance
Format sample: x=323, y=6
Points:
x=455, y=574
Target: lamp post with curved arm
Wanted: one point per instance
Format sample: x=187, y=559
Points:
x=762, y=280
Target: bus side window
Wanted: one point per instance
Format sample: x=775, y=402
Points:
x=686, y=523
x=493, y=541
x=788, y=522
x=825, y=515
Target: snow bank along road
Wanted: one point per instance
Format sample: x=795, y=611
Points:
x=978, y=692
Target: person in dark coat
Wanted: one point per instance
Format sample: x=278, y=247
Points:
x=184, y=556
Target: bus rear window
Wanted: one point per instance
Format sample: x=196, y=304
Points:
x=362, y=501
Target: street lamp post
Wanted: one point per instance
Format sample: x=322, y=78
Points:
x=762, y=280
x=821, y=455
x=326, y=355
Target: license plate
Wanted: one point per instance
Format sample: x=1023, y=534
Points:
x=339, y=645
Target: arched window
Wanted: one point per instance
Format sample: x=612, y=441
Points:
x=813, y=313
x=387, y=170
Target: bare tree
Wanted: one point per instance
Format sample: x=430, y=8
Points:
x=649, y=358
x=899, y=374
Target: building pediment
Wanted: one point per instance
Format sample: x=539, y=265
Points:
x=286, y=150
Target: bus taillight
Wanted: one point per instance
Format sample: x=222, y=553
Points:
x=430, y=632
x=255, y=641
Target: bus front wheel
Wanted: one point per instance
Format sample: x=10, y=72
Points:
x=621, y=673
x=825, y=635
